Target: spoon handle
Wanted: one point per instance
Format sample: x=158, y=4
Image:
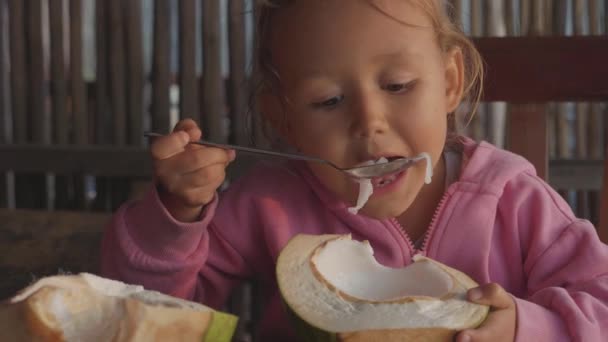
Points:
x=247, y=149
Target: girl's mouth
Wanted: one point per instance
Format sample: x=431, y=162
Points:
x=384, y=181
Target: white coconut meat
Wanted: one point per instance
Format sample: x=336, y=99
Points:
x=335, y=284
x=86, y=307
x=366, y=188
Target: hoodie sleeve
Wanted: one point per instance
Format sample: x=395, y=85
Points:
x=565, y=265
x=145, y=245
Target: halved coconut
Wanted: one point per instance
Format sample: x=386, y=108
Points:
x=338, y=291
x=86, y=307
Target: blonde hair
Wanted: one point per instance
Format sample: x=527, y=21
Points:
x=449, y=36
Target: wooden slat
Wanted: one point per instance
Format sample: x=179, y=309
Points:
x=603, y=225
x=36, y=191
x=77, y=85
x=160, y=70
x=525, y=14
x=213, y=83
x=7, y=179
x=581, y=27
x=97, y=160
x=102, y=112
x=576, y=174
x=135, y=71
x=188, y=84
x=117, y=71
x=18, y=70
x=5, y=131
x=134, y=161
x=36, y=90
x=238, y=80
x=38, y=243
x=58, y=81
x=527, y=135
x=552, y=68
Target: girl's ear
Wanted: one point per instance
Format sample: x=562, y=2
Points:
x=454, y=78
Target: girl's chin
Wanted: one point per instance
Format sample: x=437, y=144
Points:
x=381, y=211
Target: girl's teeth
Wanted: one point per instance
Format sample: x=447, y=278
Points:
x=385, y=181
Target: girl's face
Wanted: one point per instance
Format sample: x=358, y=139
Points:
x=363, y=79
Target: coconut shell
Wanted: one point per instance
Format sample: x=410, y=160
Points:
x=68, y=308
x=295, y=258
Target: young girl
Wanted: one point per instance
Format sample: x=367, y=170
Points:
x=351, y=82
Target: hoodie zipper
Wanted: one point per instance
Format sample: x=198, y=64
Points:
x=427, y=235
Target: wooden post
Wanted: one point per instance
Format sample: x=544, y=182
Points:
x=18, y=70
x=213, y=94
x=58, y=79
x=117, y=71
x=160, y=66
x=581, y=27
x=596, y=119
x=238, y=81
x=188, y=86
x=527, y=123
x=7, y=179
x=102, y=112
x=60, y=130
x=528, y=135
x=477, y=127
x=603, y=224
x=79, y=108
x=103, y=119
x=77, y=85
x=135, y=72
x=496, y=111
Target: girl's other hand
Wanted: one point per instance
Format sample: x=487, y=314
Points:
x=187, y=175
x=501, y=322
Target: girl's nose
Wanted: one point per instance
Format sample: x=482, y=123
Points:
x=369, y=116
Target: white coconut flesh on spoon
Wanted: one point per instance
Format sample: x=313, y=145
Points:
x=335, y=285
x=366, y=188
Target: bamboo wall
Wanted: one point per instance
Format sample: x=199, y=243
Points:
x=96, y=74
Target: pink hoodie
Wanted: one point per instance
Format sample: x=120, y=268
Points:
x=498, y=223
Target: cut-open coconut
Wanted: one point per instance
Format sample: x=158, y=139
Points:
x=86, y=307
x=338, y=291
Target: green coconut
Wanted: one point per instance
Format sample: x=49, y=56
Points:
x=335, y=290
x=86, y=307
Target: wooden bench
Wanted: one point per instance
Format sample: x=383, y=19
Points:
x=39, y=243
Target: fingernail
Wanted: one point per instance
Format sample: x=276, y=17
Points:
x=465, y=338
x=475, y=294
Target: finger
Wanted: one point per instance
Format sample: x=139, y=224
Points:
x=491, y=294
x=167, y=146
x=494, y=325
x=195, y=189
x=192, y=160
x=214, y=175
x=191, y=127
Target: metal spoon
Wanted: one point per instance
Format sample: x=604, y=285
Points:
x=360, y=172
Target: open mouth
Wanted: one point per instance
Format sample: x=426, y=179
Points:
x=386, y=180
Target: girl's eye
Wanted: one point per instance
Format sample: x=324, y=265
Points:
x=397, y=87
x=329, y=103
